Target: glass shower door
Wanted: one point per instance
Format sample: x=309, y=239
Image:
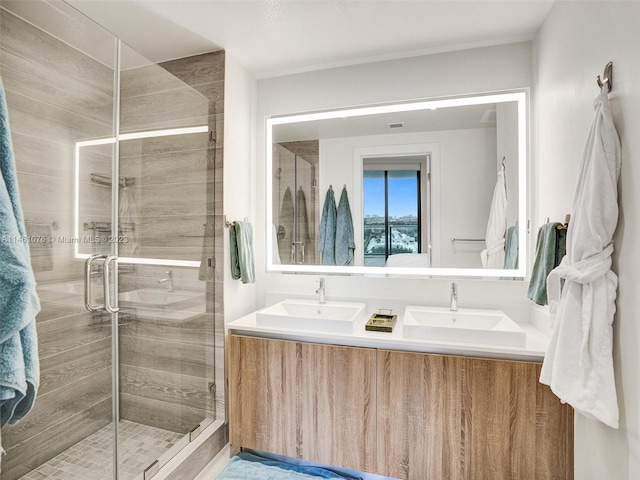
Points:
x=58, y=72
x=165, y=280
x=118, y=163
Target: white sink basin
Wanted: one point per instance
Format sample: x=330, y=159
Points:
x=311, y=315
x=466, y=325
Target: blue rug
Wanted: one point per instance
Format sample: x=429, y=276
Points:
x=247, y=466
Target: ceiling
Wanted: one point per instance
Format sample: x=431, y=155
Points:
x=423, y=120
x=277, y=37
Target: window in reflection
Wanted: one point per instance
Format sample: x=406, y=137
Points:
x=392, y=208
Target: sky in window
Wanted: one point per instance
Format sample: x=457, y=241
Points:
x=402, y=196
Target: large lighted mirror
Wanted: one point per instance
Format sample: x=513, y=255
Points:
x=432, y=187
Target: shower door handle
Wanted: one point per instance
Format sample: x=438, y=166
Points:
x=107, y=284
x=87, y=282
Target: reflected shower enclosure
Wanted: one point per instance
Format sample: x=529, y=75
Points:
x=116, y=159
x=295, y=202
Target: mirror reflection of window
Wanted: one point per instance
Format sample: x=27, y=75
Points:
x=392, y=208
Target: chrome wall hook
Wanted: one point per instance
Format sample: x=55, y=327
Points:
x=608, y=77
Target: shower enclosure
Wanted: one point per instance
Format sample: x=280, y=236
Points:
x=116, y=167
x=295, y=202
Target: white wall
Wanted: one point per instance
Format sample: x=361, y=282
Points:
x=575, y=42
x=469, y=71
x=239, y=176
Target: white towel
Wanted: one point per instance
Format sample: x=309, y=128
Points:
x=493, y=255
x=275, y=253
x=578, y=365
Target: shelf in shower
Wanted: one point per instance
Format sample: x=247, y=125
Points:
x=105, y=180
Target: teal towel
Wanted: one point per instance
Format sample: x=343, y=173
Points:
x=550, y=248
x=561, y=245
x=345, y=245
x=511, y=253
x=19, y=368
x=241, y=246
x=327, y=232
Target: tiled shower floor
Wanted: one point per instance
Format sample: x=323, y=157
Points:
x=92, y=458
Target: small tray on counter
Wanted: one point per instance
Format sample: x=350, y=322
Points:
x=382, y=322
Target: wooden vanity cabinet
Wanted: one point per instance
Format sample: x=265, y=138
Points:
x=304, y=400
x=447, y=417
x=407, y=415
x=420, y=422
x=338, y=406
x=263, y=394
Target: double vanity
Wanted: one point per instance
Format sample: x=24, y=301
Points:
x=459, y=331
x=447, y=394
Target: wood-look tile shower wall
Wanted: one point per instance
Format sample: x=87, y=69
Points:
x=166, y=367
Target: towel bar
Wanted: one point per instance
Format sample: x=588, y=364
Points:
x=453, y=240
x=227, y=223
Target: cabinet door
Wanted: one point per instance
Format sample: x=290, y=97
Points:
x=262, y=394
x=515, y=428
x=419, y=416
x=338, y=410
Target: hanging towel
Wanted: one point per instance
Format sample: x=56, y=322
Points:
x=345, y=245
x=550, y=248
x=327, y=232
x=19, y=368
x=285, y=226
x=241, y=246
x=578, y=365
x=493, y=255
x=511, y=253
x=302, y=219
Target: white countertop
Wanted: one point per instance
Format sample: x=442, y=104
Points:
x=534, y=350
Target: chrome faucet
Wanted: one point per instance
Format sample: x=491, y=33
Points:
x=169, y=279
x=453, y=305
x=320, y=290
